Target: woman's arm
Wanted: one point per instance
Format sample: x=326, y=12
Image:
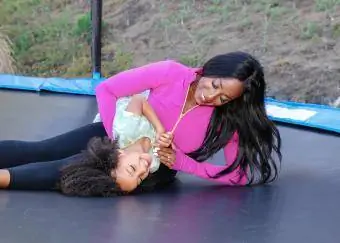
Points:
x=127, y=83
x=207, y=170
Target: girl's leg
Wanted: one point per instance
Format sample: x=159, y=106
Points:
x=14, y=153
x=34, y=176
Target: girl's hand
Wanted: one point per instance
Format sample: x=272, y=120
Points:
x=159, y=133
x=164, y=140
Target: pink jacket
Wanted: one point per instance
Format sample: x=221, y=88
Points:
x=168, y=82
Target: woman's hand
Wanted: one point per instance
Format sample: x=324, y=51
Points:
x=167, y=156
x=164, y=150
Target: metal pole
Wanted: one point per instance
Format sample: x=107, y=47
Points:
x=96, y=16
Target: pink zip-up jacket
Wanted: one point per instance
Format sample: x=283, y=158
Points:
x=168, y=82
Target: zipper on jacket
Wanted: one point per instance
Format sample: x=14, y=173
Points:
x=183, y=115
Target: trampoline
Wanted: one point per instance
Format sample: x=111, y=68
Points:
x=301, y=206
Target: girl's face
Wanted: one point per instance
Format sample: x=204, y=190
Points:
x=133, y=167
x=217, y=91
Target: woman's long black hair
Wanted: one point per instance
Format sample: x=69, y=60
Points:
x=246, y=115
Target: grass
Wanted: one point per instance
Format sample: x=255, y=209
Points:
x=52, y=41
x=50, y=37
x=327, y=5
x=310, y=30
x=222, y=12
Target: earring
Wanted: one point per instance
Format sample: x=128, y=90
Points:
x=199, y=72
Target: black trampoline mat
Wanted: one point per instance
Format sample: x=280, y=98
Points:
x=302, y=206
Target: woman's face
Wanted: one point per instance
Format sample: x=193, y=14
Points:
x=217, y=91
x=132, y=169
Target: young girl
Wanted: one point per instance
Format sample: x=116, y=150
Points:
x=111, y=166
x=128, y=159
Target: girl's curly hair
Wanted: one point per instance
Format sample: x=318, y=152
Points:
x=91, y=174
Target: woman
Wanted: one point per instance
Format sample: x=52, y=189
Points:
x=218, y=106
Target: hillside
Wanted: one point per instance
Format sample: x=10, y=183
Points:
x=297, y=41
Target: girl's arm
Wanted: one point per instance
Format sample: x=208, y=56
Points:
x=140, y=106
x=150, y=114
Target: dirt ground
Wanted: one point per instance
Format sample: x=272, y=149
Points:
x=298, y=42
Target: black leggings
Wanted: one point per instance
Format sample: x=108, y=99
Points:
x=36, y=165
